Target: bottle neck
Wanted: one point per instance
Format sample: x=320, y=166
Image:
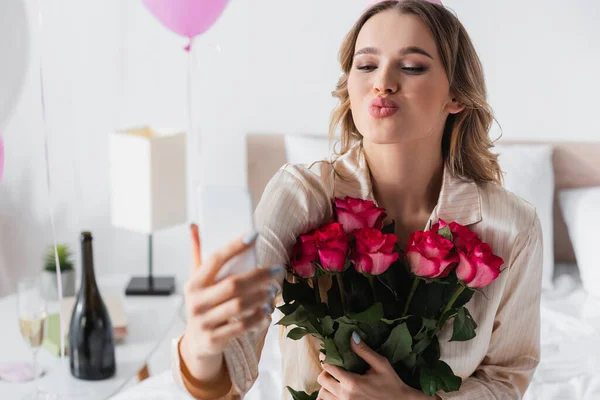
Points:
x=88, y=283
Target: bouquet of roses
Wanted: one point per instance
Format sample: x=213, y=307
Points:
x=397, y=301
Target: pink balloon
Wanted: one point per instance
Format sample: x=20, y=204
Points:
x=1, y=157
x=187, y=18
x=371, y=2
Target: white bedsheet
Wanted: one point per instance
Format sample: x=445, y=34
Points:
x=570, y=364
x=569, y=367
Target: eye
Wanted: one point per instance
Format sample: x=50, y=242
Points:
x=366, y=67
x=414, y=70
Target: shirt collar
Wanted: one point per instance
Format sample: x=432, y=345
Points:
x=459, y=199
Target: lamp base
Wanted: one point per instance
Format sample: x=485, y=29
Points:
x=151, y=286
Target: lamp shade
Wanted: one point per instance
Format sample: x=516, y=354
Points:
x=147, y=179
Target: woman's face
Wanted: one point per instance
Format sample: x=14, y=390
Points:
x=398, y=88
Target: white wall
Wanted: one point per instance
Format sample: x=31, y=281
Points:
x=267, y=65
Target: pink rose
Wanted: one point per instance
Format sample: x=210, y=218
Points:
x=430, y=254
x=461, y=235
x=355, y=214
x=304, y=253
x=478, y=266
x=374, y=251
x=332, y=247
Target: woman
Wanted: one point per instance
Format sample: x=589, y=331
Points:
x=414, y=138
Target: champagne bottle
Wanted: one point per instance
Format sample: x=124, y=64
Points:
x=91, y=337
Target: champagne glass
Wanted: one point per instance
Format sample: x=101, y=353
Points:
x=32, y=312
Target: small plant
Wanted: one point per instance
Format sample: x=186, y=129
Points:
x=64, y=258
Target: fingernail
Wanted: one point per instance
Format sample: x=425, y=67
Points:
x=250, y=238
x=267, y=308
x=355, y=338
x=276, y=270
x=271, y=291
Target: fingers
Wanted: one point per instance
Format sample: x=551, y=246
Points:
x=325, y=394
x=205, y=276
x=376, y=361
x=236, y=328
x=340, y=374
x=195, y=246
x=238, y=306
x=329, y=383
x=199, y=301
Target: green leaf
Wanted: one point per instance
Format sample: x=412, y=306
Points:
x=393, y=321
x=430, y=384
x=371, y=315
x=463, y=298
x=438, y=376
x=352, y=362
x=332, y=354
x=446, y=233
x=464, y=326
x=450, y=382
x=446, y=316
x=327, y=326
x=302, y=395
x=296, y=318
x=422, y=345
x=317, y=310
x=429, y=324
x=297, y=333
x=287, y=309
x=398, y=345
x=377, y=333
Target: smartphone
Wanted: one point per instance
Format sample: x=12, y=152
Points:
x=224, y=214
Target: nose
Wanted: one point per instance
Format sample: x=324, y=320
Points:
x=385, y=82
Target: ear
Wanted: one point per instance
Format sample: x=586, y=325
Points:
x=453, y=106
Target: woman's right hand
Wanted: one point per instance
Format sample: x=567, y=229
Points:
x=218, y=312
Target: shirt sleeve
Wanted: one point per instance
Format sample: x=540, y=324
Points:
x=293, y=202
x=514, y=350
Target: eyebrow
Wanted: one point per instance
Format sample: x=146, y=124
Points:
x=403, y=52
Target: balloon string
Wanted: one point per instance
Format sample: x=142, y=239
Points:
x=48, y=183
x=193, y=136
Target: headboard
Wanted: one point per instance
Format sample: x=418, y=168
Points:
x=576, y=165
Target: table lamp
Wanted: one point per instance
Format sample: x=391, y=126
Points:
x=148, y=192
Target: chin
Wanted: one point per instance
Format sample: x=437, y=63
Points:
x=378, y=135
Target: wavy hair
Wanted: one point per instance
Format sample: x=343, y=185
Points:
x=466, y=145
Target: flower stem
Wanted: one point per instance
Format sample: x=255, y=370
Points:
x=342, y=292
x=372, y=284
x=413, y=289
x=453, y=299
x=315, y=281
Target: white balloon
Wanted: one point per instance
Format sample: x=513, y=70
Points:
x=14, y=53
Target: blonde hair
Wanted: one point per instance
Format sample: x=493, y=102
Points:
x=465, y=144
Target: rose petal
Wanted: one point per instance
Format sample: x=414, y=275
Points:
x=390, y=242
x=333, y=260
x=485, y=274
x=363, y=264
x=305, y=269
x=422, y=266
x=359, y=205
x=350, y=221
x=381, y=262
x=466, y=269
x=340, y=204
x=372, y=216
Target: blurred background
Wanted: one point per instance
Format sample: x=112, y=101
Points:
x=266, y=66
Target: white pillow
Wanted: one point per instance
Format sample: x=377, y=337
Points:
x=529, y=174
x=306, y=149
x=581, y=210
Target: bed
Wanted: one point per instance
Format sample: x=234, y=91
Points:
x=570, y=335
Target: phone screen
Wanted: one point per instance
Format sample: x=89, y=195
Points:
x=225, y=213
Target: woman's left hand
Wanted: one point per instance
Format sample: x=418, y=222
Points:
x=380, y=382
